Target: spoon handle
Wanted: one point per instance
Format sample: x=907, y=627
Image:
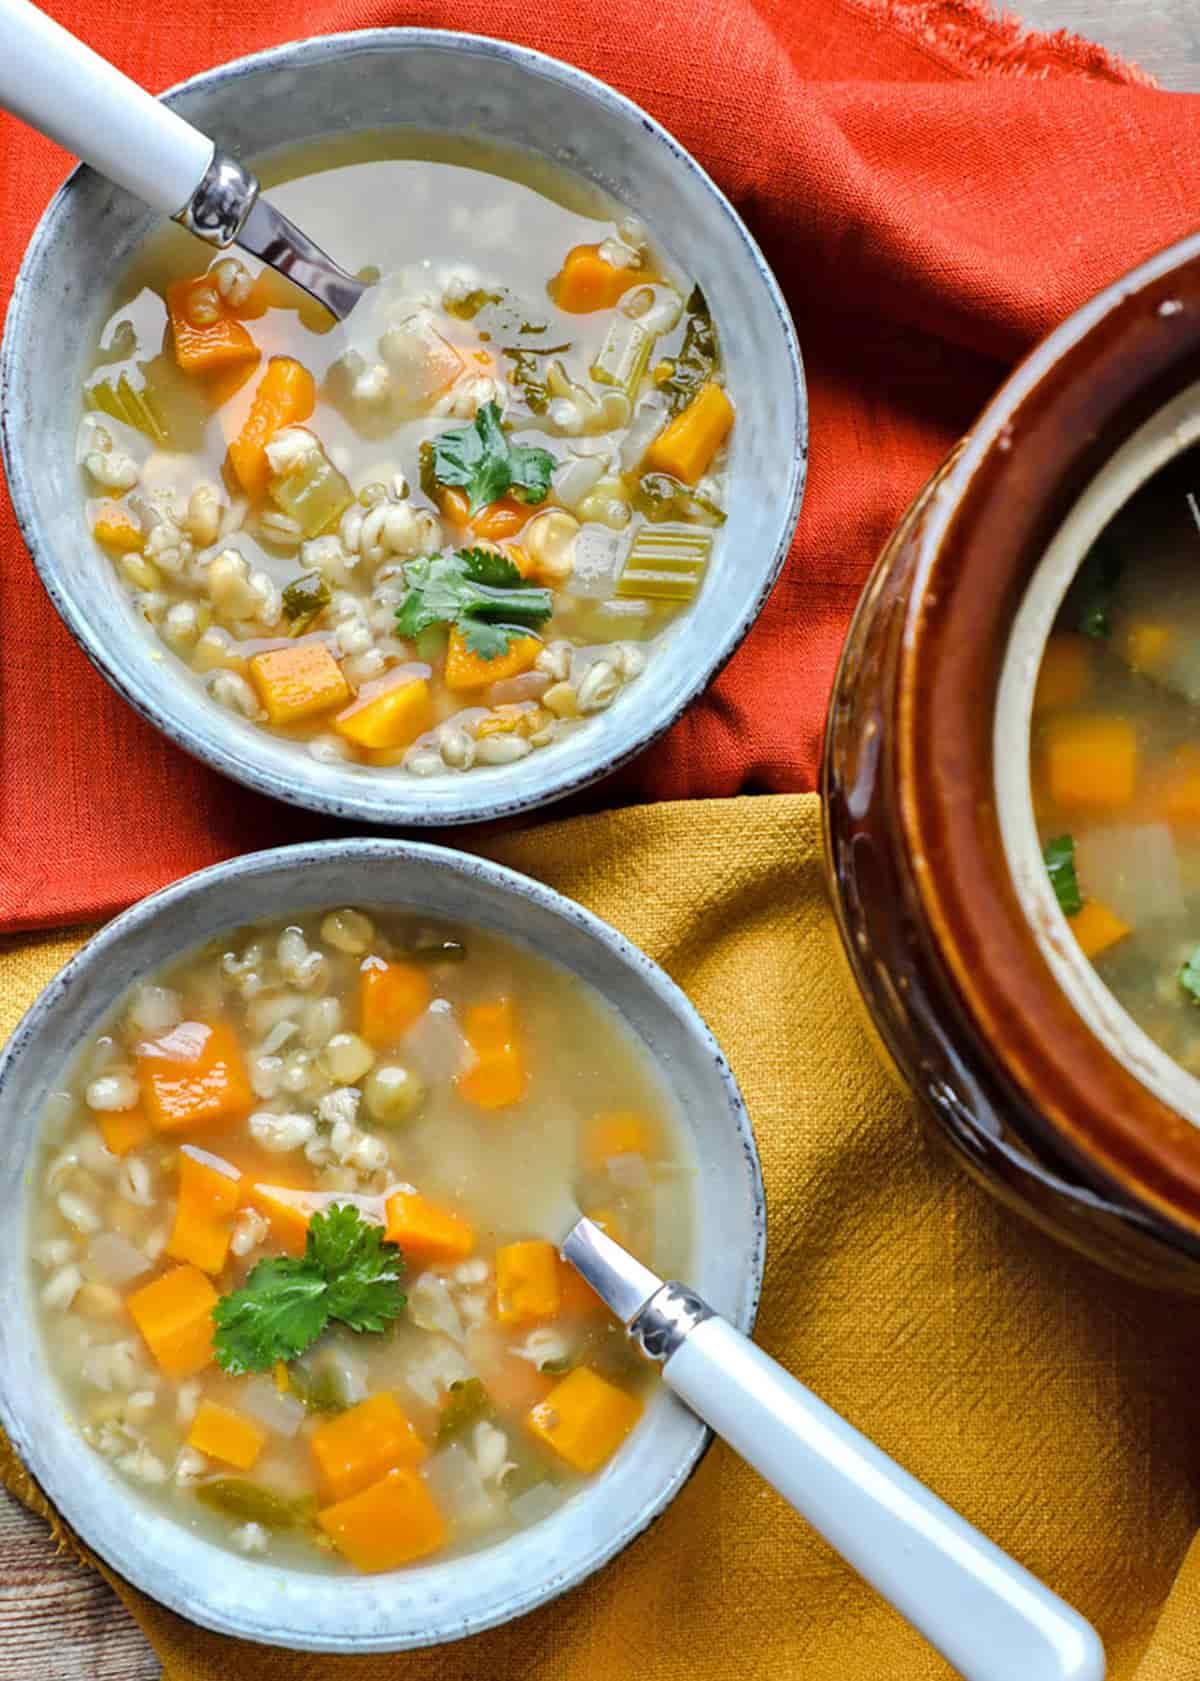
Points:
x=985, y=1613
x=57, y=85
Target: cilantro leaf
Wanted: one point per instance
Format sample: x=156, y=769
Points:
x=1060, y=867
x=481, y=460
x=1189, y=976
x=477, y=591
x=348, y=1272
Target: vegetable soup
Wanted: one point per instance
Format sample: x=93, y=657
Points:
x=291, y=1239
x=1116, y=758
x=446, y=532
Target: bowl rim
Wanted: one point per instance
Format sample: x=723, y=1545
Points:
x=387, y=801
x=508, y=883
x=1079, y=395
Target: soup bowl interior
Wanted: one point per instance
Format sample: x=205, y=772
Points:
x=433, y=83
x=435, y=1602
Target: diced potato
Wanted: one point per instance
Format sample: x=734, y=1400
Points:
x=389, y=1524
x=1091, y=762
x=584, y=1419
x=194, y=1077
x=686, y=445
x=174, y=1315
x=224, y=1434
x=209, y=1194
x=298, y=682
x=361, y=1445
x=391, y=996
x=527, y=1283
x=392, y=713
x=426, y=1232
x=499, y=1077
x=1097, y=928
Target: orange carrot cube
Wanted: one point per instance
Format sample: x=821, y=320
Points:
x=499, y=1077
x=390, y=713
x=361, y=1445
x=1091, y=762
x=210, y=1191
x=206, y=336
x=587, y=281
x=1096, y=928
x=584, y=1419
x=1065, y=674
x=686, y=445
x=388, y=1524
x=615, y=1132
x=174, y=1315
x=298, y=681
x=224, y=1434
x=465, y=670
x=390, y=998
x=194, y=1077
x=425, y=1231
x=123, y=1129
x=527, y=1283
x=286, y=396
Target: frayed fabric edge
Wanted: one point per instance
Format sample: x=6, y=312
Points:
x=985, y=42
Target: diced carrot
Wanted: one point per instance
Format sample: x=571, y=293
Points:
x=389, y=713
x=1146, y=645
x=174, y=1315
x=194, y=1076
x=501, y=519
x=117, y=529
x=204, y=346
x=527, y=1286
x=425, y=1231
x=521, y=559
x=615, y=1132
x=390, y=998
x=465, y=670
x=361, y=1445
x=224, y=1434
x=289, y=1212
x=686, y=444
x=388, y=1524
x=286, y=396
x=499, y=1077
x=272, y=290
x=584, y=1419
x=588, y=281
x=1091, y=762
x=1096, y=928
x=209, y=1193
x=1065, y=674
x=223, y=387
x=123, y=1129
x=455, y=505
x=298, y=681
x=1174, y=793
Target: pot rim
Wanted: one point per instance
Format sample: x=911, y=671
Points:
x=1075, y=398
x=388, y=801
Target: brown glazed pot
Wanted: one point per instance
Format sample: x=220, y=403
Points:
x=1042, y=1106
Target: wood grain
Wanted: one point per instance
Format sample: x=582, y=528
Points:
x=59, y=1621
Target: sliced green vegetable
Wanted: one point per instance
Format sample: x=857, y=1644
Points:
x=480, y=592
x=252, y=1503
x=1089, y=602
x=1189, y=976
x=304, y=600
x=467, y=1402
x=555, y=1368
x=314, y=494
x=123, y=401
x=660, y=497
x=624, y=356
x=320, y=1391
x=698, y=356
x=481, y=460
x=467, y=308
x=1060, y=867
x=665, y=565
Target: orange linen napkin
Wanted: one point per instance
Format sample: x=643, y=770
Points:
x=1053, y=1405
x=934, y=192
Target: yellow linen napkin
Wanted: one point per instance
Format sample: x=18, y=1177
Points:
x=1053, y=1405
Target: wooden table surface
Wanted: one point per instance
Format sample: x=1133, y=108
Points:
x=59, y=1622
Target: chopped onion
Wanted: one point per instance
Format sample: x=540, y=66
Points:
x=628, y=1171
x=600, y=556
x=281, y=1413
x=457, y=1486
x=437, y=1044
x=111, y=1259
x=431, y=1307
x=1133, y=868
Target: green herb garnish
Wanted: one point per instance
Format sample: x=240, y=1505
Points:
x=466, y=1402
x=480, y=460
x=1060, y=866
x=1189, y=976
x=480, y=592
x=698, y=356
x=347, y=1272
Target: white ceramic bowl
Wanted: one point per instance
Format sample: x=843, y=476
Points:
x=434, y=1602
x=432, y=81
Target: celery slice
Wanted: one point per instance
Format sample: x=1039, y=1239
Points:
x=665, y=565
x=660, y=497
x=624, y=356
x=123, y=401
x=315, y=494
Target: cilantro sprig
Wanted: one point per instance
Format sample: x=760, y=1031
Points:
x=348, y=1272
x=479, y=592
x=482, y=460
x=1060, y=867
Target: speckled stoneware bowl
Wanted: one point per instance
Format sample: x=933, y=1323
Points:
x=418, y=1606
x=431, y=81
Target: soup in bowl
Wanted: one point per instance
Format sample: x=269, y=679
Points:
x=292, y=1146
x=473, y=547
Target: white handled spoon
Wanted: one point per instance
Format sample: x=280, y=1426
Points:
x=67, y=92
x=984, y=1612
